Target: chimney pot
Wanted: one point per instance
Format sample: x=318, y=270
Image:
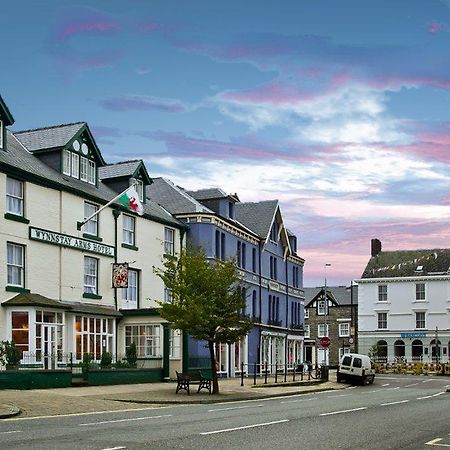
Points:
x=375, y=247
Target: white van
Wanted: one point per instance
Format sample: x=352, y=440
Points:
x=354, y=367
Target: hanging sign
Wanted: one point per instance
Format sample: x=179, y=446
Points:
x=120, y=275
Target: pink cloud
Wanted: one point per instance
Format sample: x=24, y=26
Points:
x=140, y=103
x=150, y=27
x=436, y=27
x=86, y=27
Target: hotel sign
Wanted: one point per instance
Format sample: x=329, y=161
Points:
x=412, y=335
x=64, y=240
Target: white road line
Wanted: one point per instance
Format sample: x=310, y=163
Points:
x=113, y=448
x=10, y=432
x=371, y=392
x=409, y=385
x=439, y=393
x=435, y=443
x=245, y=427
x=393, y=389
x=344, y=411
x=122, y=420
x=423, y=398
x=300, y=400
x=394, y=403
x=426, y=381
x=340, y=395
x=234, y=407
x=384, y=385
x=351, y=387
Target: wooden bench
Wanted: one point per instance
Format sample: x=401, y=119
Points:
x=186, y=379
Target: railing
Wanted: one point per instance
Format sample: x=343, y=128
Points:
x=282, y=373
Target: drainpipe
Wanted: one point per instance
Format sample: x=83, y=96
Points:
x=116, y=214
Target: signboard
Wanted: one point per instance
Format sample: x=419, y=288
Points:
x=120, y=275
x=412, y=335
x=325, y=341
x=64, y=240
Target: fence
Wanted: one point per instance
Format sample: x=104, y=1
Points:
x=282, y=373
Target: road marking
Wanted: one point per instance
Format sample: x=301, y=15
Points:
x=439, y=393
x=426, y=381
x=245, y=427
x=344, y=411
x=340, y=395
x=384, y=385
x=10, y=432
x=414, y=384
x=234, y=407
x=393, y=389
x=351, y=387
x=300, y=400
x=430, y=396
x=122, y=420
x=394, y=403
x=113, y=448
x=371, y=392
x=435, y=442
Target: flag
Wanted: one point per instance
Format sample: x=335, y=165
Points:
x=130, y=199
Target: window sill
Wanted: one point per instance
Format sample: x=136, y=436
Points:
x=92, y=237
x=130, y=247
x=16, y=218
x=93, y=296
x=17, y=289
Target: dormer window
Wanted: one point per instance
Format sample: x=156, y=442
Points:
x=77, y=166
x=140, y=189
x=274, y=232
x=231, y=210
x=1, y=134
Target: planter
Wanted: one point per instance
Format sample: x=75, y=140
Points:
x=123, y=376
x=35, y=379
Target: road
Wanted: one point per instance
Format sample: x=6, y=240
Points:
x=396, y=412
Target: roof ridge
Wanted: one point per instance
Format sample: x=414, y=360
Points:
x=123, y=162
x=186, y=195
x=50, y=127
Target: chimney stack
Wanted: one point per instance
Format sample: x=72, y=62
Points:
x=375, y=247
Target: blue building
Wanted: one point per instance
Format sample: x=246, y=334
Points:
x=266, y=254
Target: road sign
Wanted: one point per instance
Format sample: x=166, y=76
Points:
x=325, y=341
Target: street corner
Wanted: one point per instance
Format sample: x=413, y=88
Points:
x=7, y=410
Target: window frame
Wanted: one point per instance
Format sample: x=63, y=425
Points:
x=131, y=232
x=84, y=168
x=342, y=327
x=421, y=321
x=143, y=348
x=139, y=186
x=382, y=321
x=12, y=195
x=95, y=276
x=322, y=307
x=130, y=289
x=1, y=134
x=169, y=245
x=322, y=326
x=91, y=172
x=94, y=222
x=20, y=267
x=382, y=293
x=420, y=292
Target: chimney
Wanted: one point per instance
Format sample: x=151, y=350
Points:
x=375, y=247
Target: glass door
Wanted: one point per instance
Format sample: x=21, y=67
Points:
x=49, y=346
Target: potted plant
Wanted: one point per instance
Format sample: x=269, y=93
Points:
x=10, y=355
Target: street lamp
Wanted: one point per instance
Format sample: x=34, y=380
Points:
x=326, y=311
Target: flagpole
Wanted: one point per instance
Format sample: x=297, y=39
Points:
x=80, y=224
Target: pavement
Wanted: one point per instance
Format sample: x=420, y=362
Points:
x=88, y=399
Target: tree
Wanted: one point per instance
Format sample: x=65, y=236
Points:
x=206, y=300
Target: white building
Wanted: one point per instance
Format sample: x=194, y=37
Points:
x=404, y=304
x=58, y=301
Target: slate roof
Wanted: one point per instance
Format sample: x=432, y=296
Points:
x=121, y=169
x=50, y=137
x=173, y=198
x=341, y=294
x=18, y=158
x=208, y=194
x=405, y=263
x=29, y=299
x=257, y=216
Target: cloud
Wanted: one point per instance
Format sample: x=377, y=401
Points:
x=143, y=103
x=93, y=26
x=102, y=132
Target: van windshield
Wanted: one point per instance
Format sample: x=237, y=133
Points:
x=347, y=360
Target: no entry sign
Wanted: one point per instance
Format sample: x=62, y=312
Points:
x=325, y=341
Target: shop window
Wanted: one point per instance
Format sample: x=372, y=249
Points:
x=20, y=330
x=147, y=339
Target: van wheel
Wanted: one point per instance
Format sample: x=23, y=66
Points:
x=371, y=380
x=364, y=380
x=338, y=378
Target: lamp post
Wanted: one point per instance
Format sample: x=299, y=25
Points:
x=327, y=352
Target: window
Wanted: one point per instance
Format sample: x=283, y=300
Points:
x=322, y=330
x=307, y=331
x=241, y=254
x=254, y=305
x=295, y=276
x=306, y=313
x=147, y=339
x=169, y=241
x=382, y=293
x=15, y=264
x=128, y=231
x=217, y=244
x=420, y=291
x=344, y=329
x=140, y=189
x=20, y=330
x=91, y=172
x=167, y=295
x=382, y=320
x=75, y=169
x=1, y=134
x=83, y=169
x=93, y=335
x=273, y=268
x=222, y=246
x=91, y=226
x=66, y=162
x=90, y=275
x=130, y=294
x=254, y=259
x=420, y=319
x=231, y=210
x=14, y=196
x=175, y=344
x=274, y=232
x=321, y=308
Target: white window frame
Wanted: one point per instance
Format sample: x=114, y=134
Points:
x=91, y=226
x=128, y=230
x=321, y=307
x=307, y=331
x=174, y=344
x=321, y=329
x=147, y=338
x=169, y=241
x=382, y=319
x=130, y=294
x=67, y=162
x=420, y=292
x=90, y=279
x=91, y=172
x=1, y=134
x=382, y=293
x=140, y=189
x=83, y=168
x=15, y=264
x=75, y=165
x=421, y=321
x=14, y=196
x=306, y=313
x=343, y=351
x=344, y=329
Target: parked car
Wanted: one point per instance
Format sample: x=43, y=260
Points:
x=356, y=368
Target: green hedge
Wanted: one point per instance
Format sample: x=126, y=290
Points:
x=35, y=379
x=123, y=376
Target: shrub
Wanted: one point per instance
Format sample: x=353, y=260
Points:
x=131, y=355
x=106, y=360
x=9, y=354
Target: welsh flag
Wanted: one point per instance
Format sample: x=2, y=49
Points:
x=130, y=199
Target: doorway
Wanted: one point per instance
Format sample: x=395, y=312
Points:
x=49, y=346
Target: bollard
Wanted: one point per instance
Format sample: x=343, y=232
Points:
x=276, y=372
x=254, y=375
x=242, y=374
x=265, y=373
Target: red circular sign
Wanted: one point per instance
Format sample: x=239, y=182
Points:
x=325, y=341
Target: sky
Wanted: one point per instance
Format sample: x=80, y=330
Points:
x=338, y=109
